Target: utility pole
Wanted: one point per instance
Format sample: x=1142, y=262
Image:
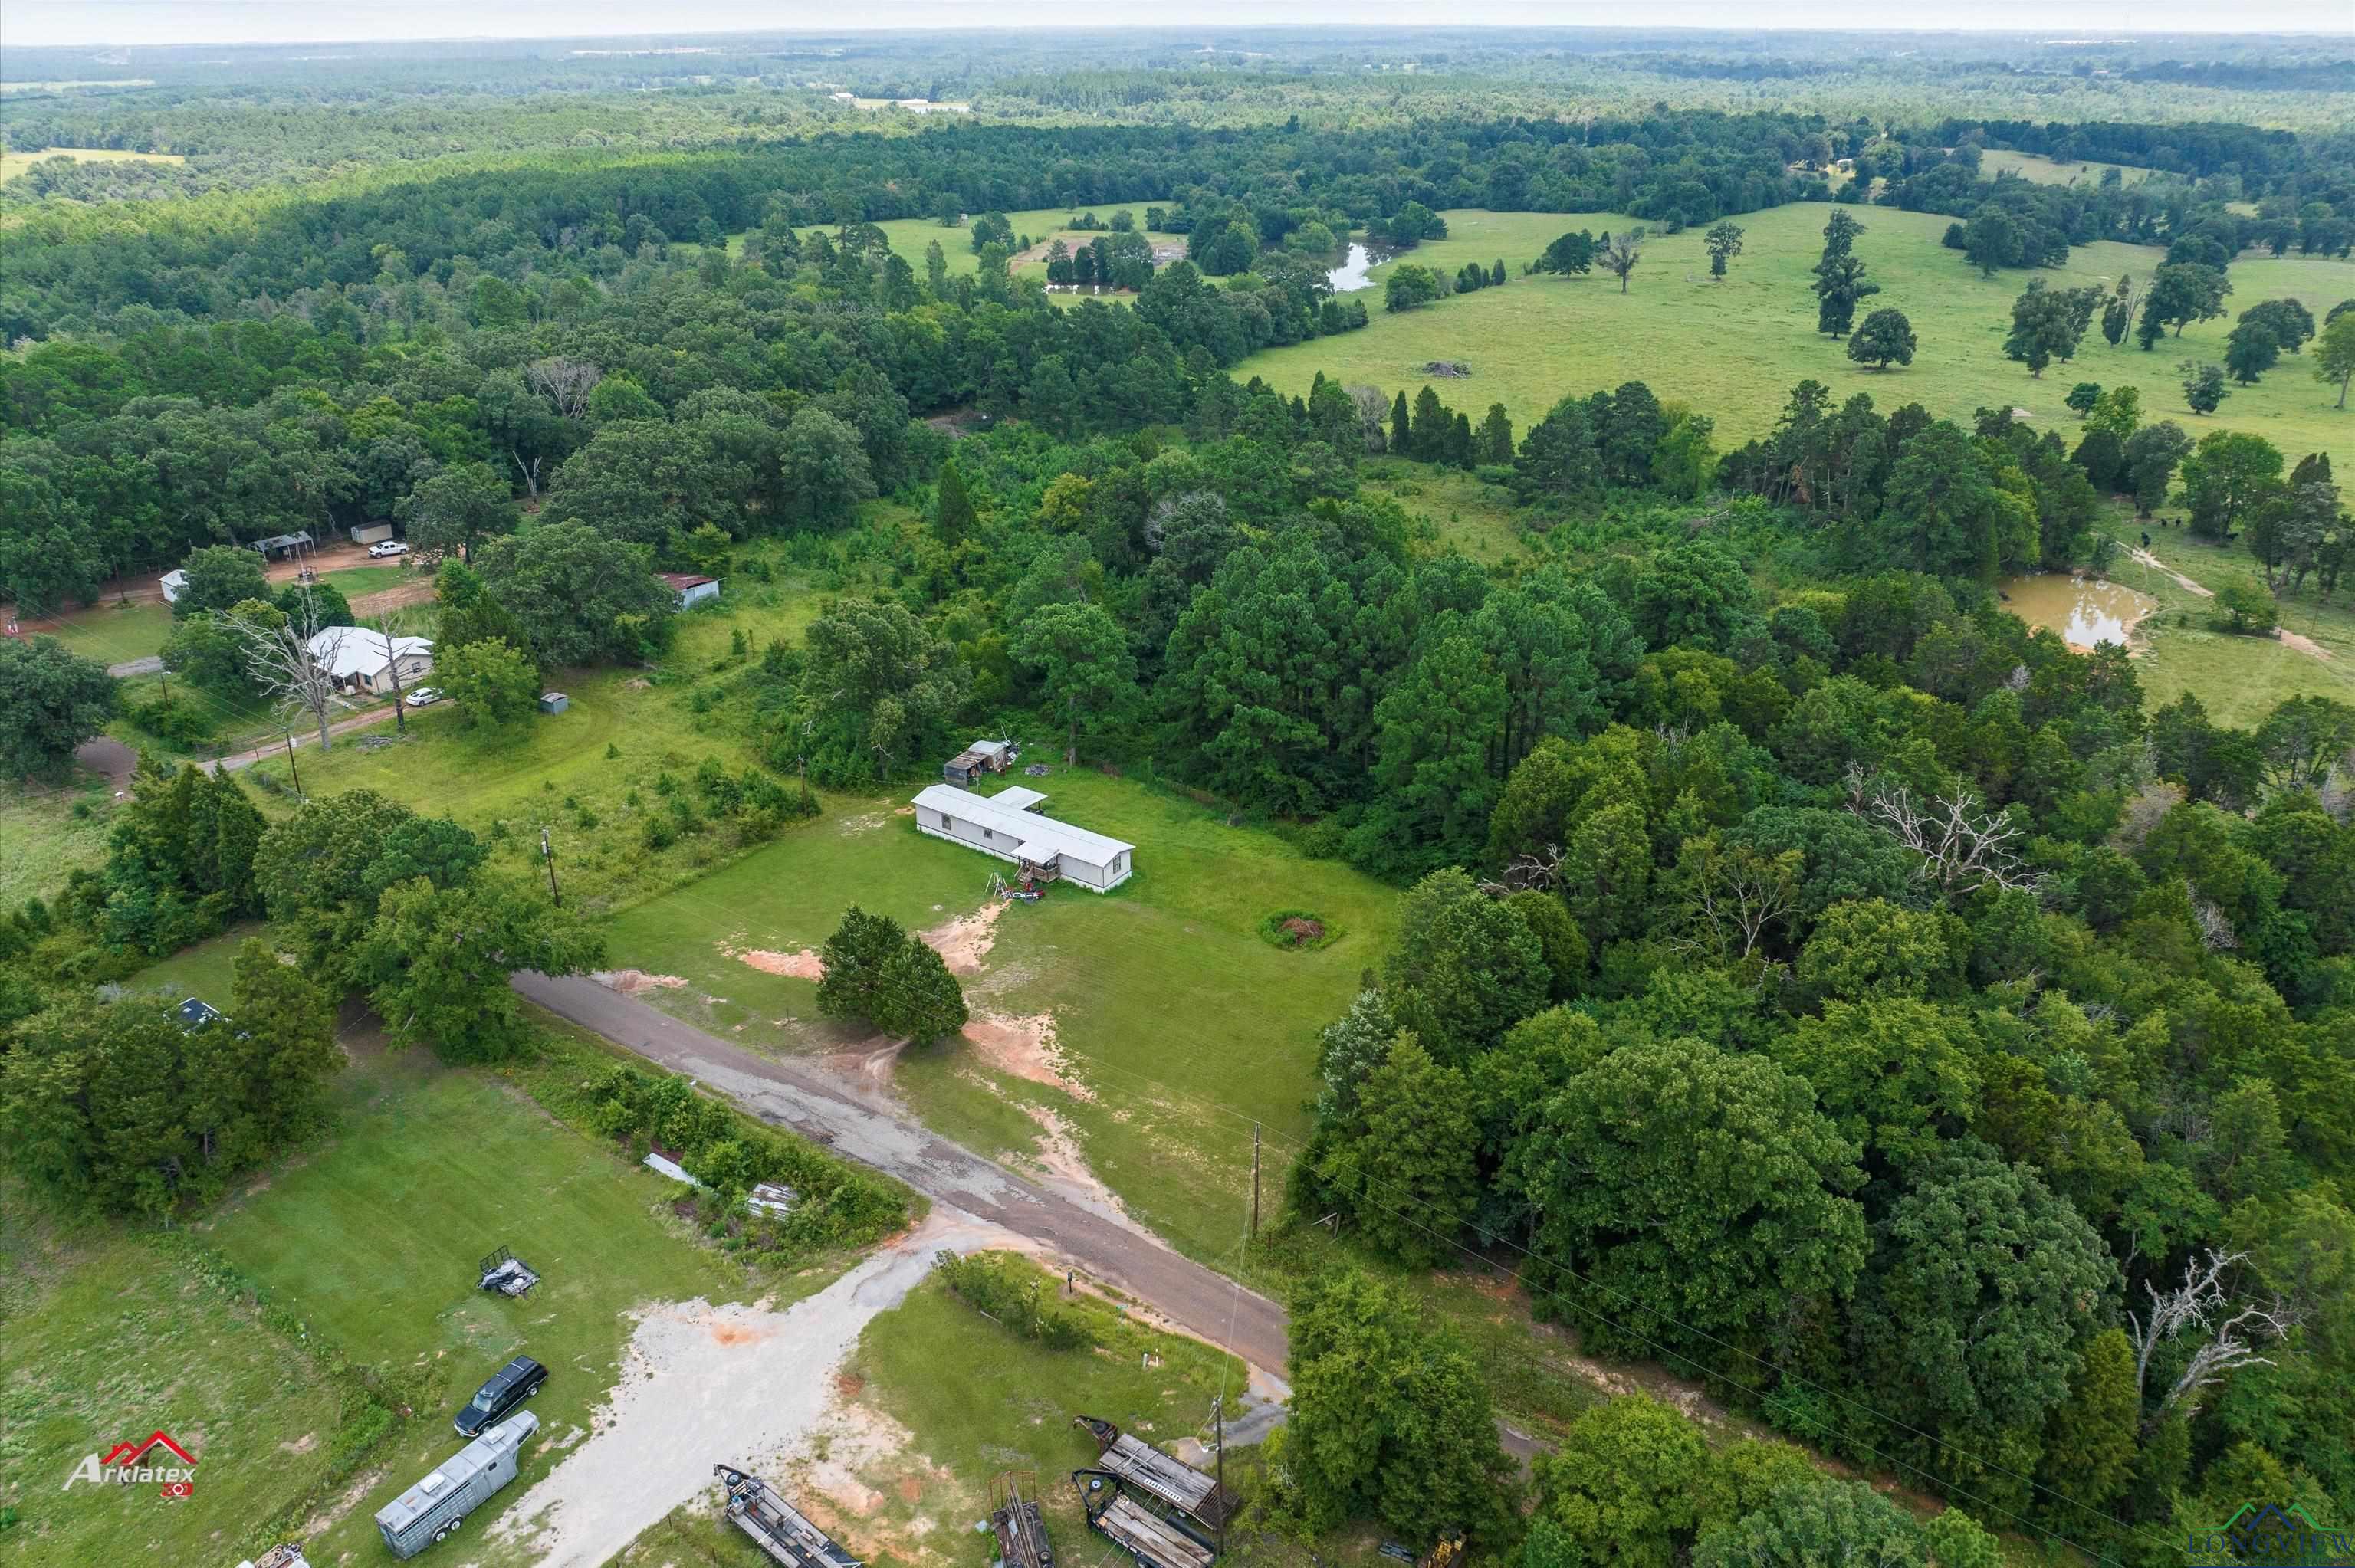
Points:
x=548, y=855
x=294, y=770
x=1219, y=1414
x=1254, y=1180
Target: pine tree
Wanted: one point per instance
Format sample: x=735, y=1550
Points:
x=2090, y=1442
x=1428, y=441
x=1402, y=433
x=1495, y=444
x=1459, y=441
x=953, y=516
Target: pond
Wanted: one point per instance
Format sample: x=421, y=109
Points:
x=2085, y=611
x=1356, y=269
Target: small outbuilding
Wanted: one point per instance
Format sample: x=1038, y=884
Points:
x=688, y=590
x=195, y=1013
x=554, y=702
x=174, y=583
x=982, y=757
x=279, y=545
x=1009, y=826
x=370, y=533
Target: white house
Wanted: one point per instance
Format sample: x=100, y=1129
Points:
x=174, y=583
x=363, y=659
x=1009, y=826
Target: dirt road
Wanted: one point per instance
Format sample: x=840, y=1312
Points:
x=872, y=1129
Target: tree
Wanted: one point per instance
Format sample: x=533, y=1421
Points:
x=1626, y=1486
x=2117, y=412
x=2090, y=1439
x=2251, y=349
x=2118, y=311
x=878, y=687
x=1756, y=1234
x=2048, y=325
x=1724, y=242
x=279, y=663
x=1494, y=444
x=1402, y=440
x=1465, y=969
x=578, y=596
x=1403, y=1168
x=823, y=468
x=1840, y=283
x=2334, y=355
x=2204, y=386
x=877, y=974
x=1982, y=1286
x=1568, y=254
x=2226, y=478
x=2150, y=457
x=435, y=961
x=2082, y=398
x=220, y=575
x=492, y=682
x=57, y=699
x=2304, y=741
x=953, y=513
x=453, y=508
x=1621, y=252
x=1991, y=239
x=1816, y=1521
x=1084, y=664
x=1390, y=1418
x=2180, y=292
x=264, y=1077
x=2247, y=608
x=1886, y=338
x=1410, y=287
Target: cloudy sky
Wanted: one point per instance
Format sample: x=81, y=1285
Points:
x=25, y=23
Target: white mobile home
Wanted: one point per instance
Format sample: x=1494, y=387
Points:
x=1009, y=826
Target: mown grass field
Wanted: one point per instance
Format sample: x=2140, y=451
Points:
x=372, y=1239
x=2043, y=171
x=1734, y=349
x=1178, y=1024
x=43, y=836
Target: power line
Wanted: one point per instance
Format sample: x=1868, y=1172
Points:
x=1782, y=1374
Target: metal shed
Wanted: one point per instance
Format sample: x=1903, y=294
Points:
x=554, y=702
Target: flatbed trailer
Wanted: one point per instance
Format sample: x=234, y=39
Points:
x=1155, y=1473
x=1021, y=1533
x=1155, y=1540
x=776, y=1526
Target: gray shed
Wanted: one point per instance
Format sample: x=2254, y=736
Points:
x=554, y=702
x=430, y=1510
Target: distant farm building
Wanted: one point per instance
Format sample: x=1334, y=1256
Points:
x=362, y=659
x=982, y=757
x=688, y=590
x=1009, y=826
x=174, y=583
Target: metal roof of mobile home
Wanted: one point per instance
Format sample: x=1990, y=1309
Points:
x=1031, y=831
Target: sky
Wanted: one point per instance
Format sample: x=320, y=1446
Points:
x=31, y=22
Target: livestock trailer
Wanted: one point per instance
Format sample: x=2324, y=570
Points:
x=776, y=1526
x=430, y=1510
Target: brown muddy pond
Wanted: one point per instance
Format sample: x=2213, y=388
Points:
x=2084, y=610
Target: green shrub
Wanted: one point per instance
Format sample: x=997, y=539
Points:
x=1006, y=1289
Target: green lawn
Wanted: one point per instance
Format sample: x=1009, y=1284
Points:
x=1480, y=520
x=2240, y=680
x=42, y=837
x=372, y=1239
x=116, y=633
x=354, y=581
x=1178, y=1022
x=1734, y=349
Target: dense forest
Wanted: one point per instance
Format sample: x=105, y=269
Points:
x=1809, y=978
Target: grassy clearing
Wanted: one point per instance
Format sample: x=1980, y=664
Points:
x=116, y=633
x=15, y=163
x=2040, y=170
x=1734, y=349
x=2239, y=680
x=372, y=1239
x=43, y=833
x=1462, y=513
x=1177, y=1024
x=910, y=237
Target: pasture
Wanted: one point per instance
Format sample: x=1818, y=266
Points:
x=1734, y=349
x=1175, y=1025
x=910, y=237
x=2038, y=169
x=15, y=163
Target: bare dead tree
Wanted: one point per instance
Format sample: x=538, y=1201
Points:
x=2215, y=930
x=530, y=471
x=1540, y=870
x=2189, y=1307
x=392, y=622
x=1373, y=412
x=566, y=383
x=1740, y=893
x=278, y=659
x=1964, y=846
